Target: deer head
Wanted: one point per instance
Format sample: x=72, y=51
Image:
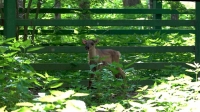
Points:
x=89, y=44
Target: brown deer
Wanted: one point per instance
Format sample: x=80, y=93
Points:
x=101, y=57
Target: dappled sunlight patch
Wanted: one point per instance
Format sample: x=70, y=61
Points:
x=173, y=94
x=56, y=101
x=108, y=107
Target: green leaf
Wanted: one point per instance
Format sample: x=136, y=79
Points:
x=25, y=109
x=34, y=49
x=143, y=88
x=49, y=107
x=9, y=39
x=3, y=49
x=128, y=65
x=37, y=83
x=40, y=75
x=119, y=108
x=56, y=85
x=80, y=94
x=14, y=48
x=56, y=93
x=48, y=98
x=16, y=44
x=2, y=77
x=192, y=65
x=92, y=66
x=76, y=31
x=9, y=54
x=2, y=109
x=190, y=70
x=27, y=104
x=26, y=44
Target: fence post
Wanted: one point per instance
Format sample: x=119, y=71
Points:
x=157, y=4
x=197, y=35
x=9, y=18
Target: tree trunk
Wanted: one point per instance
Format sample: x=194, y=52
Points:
x=1, y=6
x=84, y=4
x=174, y=5
x=57, y=5
x=150, y=5
x=21, y=4
x=128, y=3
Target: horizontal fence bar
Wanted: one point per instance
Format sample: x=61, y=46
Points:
x=81, y=66
x=47, y=22
x=105, y=32
x=134, y=82
x=122, y=49
x=111, y=11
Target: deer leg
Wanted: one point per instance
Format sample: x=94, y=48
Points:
x=91, y=77
x=90, y=81
x=120, y=73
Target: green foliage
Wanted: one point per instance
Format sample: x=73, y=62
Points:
x=172, y=95
x=56, y=101
x=47, y=82
x=16, y=75
x=196, y=69
x=107, y=86
x=110, y=94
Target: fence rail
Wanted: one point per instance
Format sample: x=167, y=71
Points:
x=10, y=22
x=122, y=49
x=81, y=66
x=42, y=22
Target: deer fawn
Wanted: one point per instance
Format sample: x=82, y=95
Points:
x=105, y=56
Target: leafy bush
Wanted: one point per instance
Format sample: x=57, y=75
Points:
x=15, y=72
x=172, y=95
x=56, y=101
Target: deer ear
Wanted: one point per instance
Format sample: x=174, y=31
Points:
x=96, y=41
x=83, y=41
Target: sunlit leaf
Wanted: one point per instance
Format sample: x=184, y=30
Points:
x=9, y=54
x=192, y=65
x=143, y=88
x=48, y=98
x=56, y=93
x=34, y=49
x=46, y=75
x=76, y=31
x=2, y=109
x=171, y=78
x=119, y=108
x=80, y=94
x=190, y=70
x=40, y=75
x=56, y=85
x=68, y=93
x=37, y=83
x=135, y=104
x=28, y=104
x=75, y=106
x=25, y=109
x=49, y=107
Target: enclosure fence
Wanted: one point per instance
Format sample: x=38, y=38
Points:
x=10, y=22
